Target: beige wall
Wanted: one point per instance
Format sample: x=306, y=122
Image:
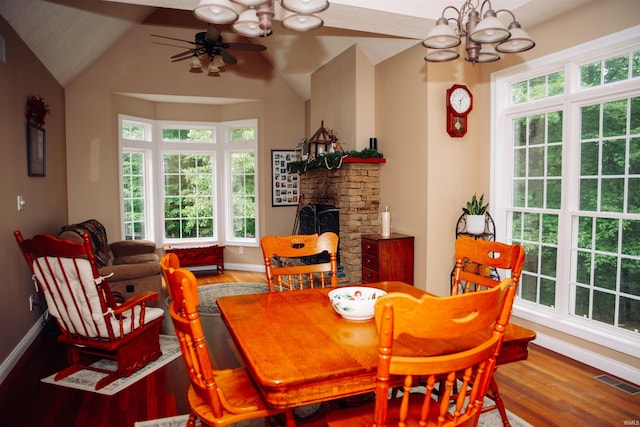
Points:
x=343, y=96
x=129, y=67
x=46, y=204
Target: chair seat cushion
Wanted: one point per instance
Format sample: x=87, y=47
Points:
x=77, y=305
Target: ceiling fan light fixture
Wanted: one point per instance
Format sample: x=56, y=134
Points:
x=441, y=55
x=305, y=7
x=490, y=29
x=441, y=36
x=195, y=65
x=298, y=22
x=484, y=38
x=248, y=24
x=216, y=11
x=487, y=53
x=518, y=42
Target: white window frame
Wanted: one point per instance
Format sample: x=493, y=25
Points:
x=146, y=148
x=570, y=102
x=220, y=148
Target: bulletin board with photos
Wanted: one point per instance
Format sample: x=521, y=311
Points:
x=286, y=186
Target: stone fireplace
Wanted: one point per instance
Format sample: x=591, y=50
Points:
x=355, y=190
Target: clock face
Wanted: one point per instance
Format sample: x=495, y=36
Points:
x=460, y=100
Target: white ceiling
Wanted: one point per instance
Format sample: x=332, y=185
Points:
x=69, y=35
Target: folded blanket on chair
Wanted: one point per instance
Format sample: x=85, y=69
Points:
x=98, y=237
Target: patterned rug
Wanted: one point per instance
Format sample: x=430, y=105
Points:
x=208, y=294
x=489, y=419
x=86, y=380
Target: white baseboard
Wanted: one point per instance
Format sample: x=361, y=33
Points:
x=13, y=358
x=595, y=360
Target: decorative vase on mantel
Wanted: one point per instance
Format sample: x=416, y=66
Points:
x=475, y=224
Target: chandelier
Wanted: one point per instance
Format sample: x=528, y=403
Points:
x=483, y=38
x=252, y=18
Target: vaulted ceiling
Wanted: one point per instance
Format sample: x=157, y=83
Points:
x=69, y=35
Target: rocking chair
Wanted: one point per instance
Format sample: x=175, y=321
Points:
x=93, y=326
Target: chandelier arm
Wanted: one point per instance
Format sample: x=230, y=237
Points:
x=482, y=7
x=508, y=11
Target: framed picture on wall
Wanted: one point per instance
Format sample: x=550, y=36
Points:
x=35, y=150
x=285, y=186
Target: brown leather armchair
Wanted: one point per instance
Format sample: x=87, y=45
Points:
x=134, y=264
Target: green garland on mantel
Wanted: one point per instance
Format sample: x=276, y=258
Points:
x=331, y=161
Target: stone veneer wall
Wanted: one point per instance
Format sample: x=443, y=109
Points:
x=355, y=190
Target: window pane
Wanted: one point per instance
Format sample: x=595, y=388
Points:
x=583, y=299
x=133, y=183
x=188, y=196
x=590, y=75
x=529, y=288
x=630, y=314
x=616, y=69
x=583, y=268
x=556, y=83
x=607, y=235
x=605, y=271
x=612, y=195
x=588, y=194
x=630, y=277
x=547, y=292
x=590, y=122
x=631, y=238
x=604, y=307
x=614, y=118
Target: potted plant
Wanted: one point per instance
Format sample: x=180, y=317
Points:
x=475, y=211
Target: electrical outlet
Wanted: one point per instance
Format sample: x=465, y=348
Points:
x=241, y=250
x=30, y=302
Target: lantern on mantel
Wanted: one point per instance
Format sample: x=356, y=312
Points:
x=322, y=141
x=302, y=150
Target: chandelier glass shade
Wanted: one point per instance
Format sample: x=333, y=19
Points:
x=253, y=18
x=484, y=38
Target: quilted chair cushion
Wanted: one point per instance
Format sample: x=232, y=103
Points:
x=83, y=314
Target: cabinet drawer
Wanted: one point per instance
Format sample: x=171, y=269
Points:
x=370, y=262
x=369, y=276
x=370, y=247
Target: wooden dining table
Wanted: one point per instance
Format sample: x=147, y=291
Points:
x=300, y=351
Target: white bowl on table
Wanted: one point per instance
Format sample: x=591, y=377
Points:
x=355, y=302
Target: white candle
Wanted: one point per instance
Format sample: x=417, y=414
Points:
x=385, y=219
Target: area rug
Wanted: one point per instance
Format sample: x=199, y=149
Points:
x=208, y=294
x=86, y=380
x=489, y=419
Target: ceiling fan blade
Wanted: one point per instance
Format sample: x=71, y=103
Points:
x=227, y=58
x=172, y=38
x=212, y=33
x=185, y=53
x=246, y=46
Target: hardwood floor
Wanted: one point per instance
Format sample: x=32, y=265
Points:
x=546, y=390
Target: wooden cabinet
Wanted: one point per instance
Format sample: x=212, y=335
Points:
x=387, y=258
x=198, y=255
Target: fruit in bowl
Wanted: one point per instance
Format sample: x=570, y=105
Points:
x=355, y=302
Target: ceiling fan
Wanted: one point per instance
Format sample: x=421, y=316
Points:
x=209, y=44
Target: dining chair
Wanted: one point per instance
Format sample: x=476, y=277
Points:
x=216, y=397
x=291, y=262
x=476, y=265
x=92, y=325
x=407, y=327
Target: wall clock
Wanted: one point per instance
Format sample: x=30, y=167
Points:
x=459, y=104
